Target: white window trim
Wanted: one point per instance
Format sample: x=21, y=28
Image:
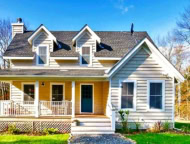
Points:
x=51, y=84
x=163, y=95
x=134, y=91
x=37, y=53
x=92, y=98
x=81, y=55
x=28, y=83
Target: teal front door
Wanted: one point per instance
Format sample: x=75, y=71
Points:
x=86, y=98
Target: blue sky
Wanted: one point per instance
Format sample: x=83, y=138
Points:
x=155, y=16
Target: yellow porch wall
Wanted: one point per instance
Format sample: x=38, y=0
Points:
x=99, y=97
x=44, y=91
x=101, y=91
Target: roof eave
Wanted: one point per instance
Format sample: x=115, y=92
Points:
x=90, y=30
x=37, y=31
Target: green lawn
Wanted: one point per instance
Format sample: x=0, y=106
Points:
x=160, y=138
x=23, y=139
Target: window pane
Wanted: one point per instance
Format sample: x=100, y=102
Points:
x=86, y=50
x=127, y=95
x=127, y=88
x=127, y=102
x=85, y=59
x=155, y=88
x=130, y=88
x=42, y=55
x=156, y=102
x=57, y=92
x=29, y=92
x=85, y=55
x=124, y=89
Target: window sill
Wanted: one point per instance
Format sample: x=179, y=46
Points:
x=155, y=110
x=126, y=109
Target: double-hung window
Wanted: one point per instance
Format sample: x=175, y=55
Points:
x=42, y=56
x=29, y=93
x=156, y=90
x=57, y=92
x=128, y=95
x=85, y=55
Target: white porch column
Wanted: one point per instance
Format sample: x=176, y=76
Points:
x=36, y=102
x=73, y=98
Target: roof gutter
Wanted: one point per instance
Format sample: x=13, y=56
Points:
x=18, y=58
x=55, y=77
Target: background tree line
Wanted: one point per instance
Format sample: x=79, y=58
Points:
x=176, y=48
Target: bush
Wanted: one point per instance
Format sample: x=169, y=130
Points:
x=185, y=129
x=166, y=126
x=157, y=127
x=12, y=129
x=50, y=131
x=137, y=125
x=124, y=120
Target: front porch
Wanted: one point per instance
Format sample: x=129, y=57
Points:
x=55, y=98
x=60, y=101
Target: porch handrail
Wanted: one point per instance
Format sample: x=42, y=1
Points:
x=111, y=114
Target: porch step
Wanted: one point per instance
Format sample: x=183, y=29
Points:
x=92, y=126
x=93, y=132
x=89, y=128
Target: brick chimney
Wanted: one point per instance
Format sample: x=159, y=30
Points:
x=18, y=27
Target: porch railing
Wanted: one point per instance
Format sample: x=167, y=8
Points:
x=55, y=108
x=28, y=108
x=17, y=108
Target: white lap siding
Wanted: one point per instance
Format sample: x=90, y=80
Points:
x=143, y=67
x=16, y=92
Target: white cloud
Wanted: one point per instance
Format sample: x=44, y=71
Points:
x=122, y=5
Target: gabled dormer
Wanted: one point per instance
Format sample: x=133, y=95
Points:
x=42, y=42
x=86, y=44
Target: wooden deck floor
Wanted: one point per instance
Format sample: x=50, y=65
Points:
x=47, y=118
x=90, y=116
x=50, y=118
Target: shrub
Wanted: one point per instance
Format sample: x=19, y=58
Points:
x=157, y=127
x=124, y=120
x=50, y=131
x=12, y=129
x=137, y=125
x=166, y=126
x=185, y=129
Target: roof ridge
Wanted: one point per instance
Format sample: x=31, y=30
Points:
x=94, y=31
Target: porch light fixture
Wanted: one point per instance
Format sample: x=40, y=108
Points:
x=43, y=84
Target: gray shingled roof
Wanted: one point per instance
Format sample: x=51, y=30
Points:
x=48, y=72
x=115, y=44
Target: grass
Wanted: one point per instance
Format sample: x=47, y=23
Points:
x=23, y=139
x=160, y=138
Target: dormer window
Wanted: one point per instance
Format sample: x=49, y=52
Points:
x=42, y=55
x=86, y=55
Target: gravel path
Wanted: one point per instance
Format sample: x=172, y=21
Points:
x=99, y=139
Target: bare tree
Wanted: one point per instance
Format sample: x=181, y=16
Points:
x=183, y=27
x=173, y=50
x=166, y=45
x=5, y=35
